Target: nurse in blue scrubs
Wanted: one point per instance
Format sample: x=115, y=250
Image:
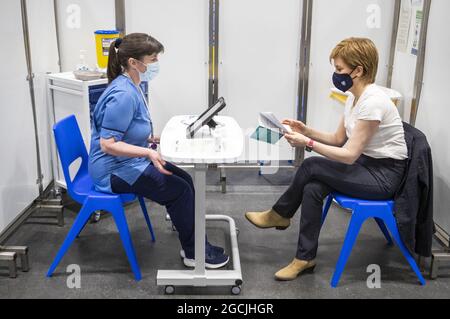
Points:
x=121, y=159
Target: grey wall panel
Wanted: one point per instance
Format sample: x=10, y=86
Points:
x=332, y=22
x=259, y=47
x=44, y=56
x=77, y=22
x=18, y=172
x=182, y=27
x=404, y=71
x=434, y=109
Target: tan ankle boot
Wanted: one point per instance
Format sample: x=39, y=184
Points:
x=268, y=219
x=294, y=269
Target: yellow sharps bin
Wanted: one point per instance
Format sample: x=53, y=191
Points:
x=103, y=40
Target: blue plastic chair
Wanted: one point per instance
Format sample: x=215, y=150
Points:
x=70, y=145
x=383, y=213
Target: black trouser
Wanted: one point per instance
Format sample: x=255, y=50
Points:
x=176, y=192
x=317, y=177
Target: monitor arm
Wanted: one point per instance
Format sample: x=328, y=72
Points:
x=212, y=124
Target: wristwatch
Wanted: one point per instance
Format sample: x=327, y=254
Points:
x=310, y=145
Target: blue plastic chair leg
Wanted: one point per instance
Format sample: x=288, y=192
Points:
x=326, y=208
x=81, y=220
x=147, y=218
x=391, y=224
x=350, y=239
x=84, y=226
x=384, y=230
x=122, y=226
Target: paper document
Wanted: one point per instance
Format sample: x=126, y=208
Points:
x=269, y=120
x=270, y=129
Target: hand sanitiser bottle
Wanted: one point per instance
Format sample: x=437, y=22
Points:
x=82, y=66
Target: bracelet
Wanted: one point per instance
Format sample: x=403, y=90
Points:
x=310, y=145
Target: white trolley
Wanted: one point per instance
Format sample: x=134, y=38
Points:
x=223, y=145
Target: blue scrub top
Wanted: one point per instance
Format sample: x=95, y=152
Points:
x=121, y=113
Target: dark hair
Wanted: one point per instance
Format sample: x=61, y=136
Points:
x=134, y=45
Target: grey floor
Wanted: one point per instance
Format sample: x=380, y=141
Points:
x=105, y=272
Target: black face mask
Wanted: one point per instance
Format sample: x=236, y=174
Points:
x=343, y=82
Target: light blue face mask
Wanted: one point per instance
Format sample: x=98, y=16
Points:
x=151, y=73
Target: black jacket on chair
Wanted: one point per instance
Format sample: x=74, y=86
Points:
x=414, y=199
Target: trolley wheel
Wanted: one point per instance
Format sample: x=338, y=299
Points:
x=236, y=290
x=96, y=216
x=169, y=290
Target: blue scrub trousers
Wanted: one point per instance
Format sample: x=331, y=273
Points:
x=175, y=192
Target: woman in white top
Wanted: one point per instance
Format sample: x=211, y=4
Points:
x=365, y=158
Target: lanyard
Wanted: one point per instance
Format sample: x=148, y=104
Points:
x=148, y=110
x=145, y=101
x=153, y=146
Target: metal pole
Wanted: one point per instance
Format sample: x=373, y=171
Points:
x=305, y=51
x=58, y=39
x=420, y=66
x=213, y=82
x=54, y=156
x=397, y=8
x=120, y=16
x=200, y=224
x=30, y=79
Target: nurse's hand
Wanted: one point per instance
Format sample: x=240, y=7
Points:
x=296, y=139
x=296, y=126
x=154, y=139
x=159, y=163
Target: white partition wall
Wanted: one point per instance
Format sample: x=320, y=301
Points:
x=182, y=27
x=77, y=22
x=44, y=58
x=405, y=62
x=18, y=172
x=259, y=43
x=434, y=110
x=333, y=21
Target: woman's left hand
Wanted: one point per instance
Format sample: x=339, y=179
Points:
x=296, y=139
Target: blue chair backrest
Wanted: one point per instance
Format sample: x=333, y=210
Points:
x=70, y=145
